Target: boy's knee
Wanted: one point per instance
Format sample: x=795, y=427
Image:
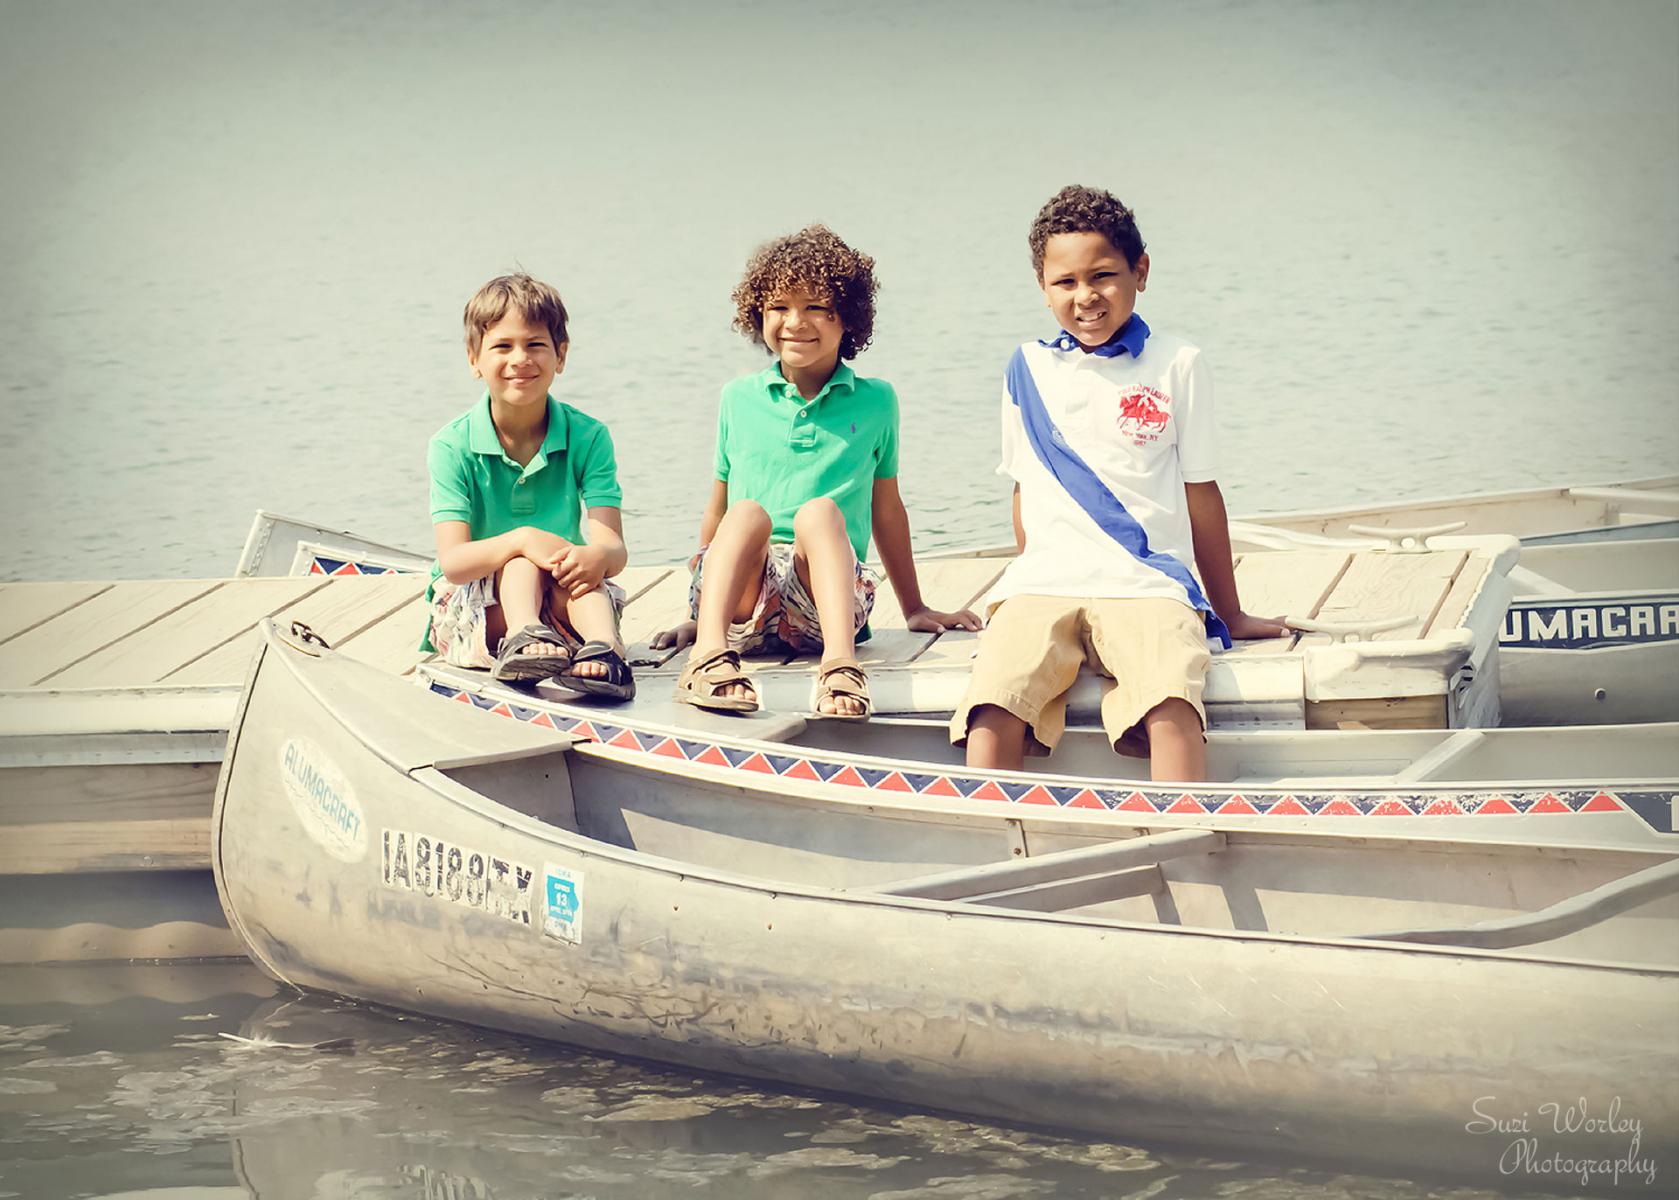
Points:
x=750, y=516
x=519, y=571
x=1173, y=713
x=818, y=516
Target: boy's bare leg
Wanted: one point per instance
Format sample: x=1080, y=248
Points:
x=1177, y=751
x=591, y=616
x=520, y=586
x=996, y=739
x=826, y=564
x=734, y=575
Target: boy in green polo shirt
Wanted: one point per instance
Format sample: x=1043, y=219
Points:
x=806, y=472
x=509, y=478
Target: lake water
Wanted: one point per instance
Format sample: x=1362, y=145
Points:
x=168, y=1084
x=1428, y=248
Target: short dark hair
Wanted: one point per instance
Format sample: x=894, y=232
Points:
x=532, y=299
x=1078, y=209
x=816, y=259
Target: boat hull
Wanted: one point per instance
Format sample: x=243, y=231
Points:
x=1261, y=1042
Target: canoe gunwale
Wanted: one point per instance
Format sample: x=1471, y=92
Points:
x=1076, y=821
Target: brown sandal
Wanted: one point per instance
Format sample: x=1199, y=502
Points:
x=841, y=677
x=702, y=682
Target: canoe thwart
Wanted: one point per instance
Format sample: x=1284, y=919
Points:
x=1557, y=920
x=1078, y=863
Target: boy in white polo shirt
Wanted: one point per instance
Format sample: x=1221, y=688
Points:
x=1108, y=435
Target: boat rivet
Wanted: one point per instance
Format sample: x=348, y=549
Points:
x=1600, y=694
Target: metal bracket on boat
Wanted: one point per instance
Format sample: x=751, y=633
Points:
x=1347, y=631
x=1412, y=540
x=301, y=637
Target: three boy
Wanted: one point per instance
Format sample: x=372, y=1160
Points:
x=1107, y=433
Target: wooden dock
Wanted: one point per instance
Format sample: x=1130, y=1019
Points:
x=115, y=699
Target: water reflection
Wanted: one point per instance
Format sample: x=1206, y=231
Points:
x=146, y=1081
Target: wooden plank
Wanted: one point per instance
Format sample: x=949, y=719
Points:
x=98, y=622
x=1381, y=584
x=949, y=584
x=186, y=634
x=1405, y=712
x=1455, y=607
x=26, y=605
x=391, y=643
x=636, y=581
x=56, y=848
x=657, y=608
x=106, y=793
x=338, y=611
x=963, y=586
x=1284, y=583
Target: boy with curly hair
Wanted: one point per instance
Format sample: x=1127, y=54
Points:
x=515, y=587
x=806, y=472
x=1108, y=435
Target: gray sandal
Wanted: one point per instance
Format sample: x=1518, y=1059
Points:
x=515, y=667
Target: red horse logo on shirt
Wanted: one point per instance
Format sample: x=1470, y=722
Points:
x=1142, y=413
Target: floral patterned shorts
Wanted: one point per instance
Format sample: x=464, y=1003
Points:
x=784, y=618
x=460, y=621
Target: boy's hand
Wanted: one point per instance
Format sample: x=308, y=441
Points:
x=541, y=547
x=579, y=569
x=931, y=620
x=1244, y=628
x=674, y=638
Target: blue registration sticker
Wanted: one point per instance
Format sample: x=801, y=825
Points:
x=562, y=907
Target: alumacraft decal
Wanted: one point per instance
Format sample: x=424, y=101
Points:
x=434, y=866
x=325, y=804
x=1593, y=625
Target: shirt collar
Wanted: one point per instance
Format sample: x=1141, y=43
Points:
x=482, y=437
x=843, y=377
x=1127, y=339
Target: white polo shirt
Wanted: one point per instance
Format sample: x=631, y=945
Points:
x=1144, y=424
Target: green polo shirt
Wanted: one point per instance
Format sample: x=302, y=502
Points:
x=777, y=448
x=473, y=480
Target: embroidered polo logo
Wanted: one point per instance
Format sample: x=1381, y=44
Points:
x=1143, y=414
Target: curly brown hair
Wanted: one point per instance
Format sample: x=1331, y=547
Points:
x=816, y=260
x=1077, y=209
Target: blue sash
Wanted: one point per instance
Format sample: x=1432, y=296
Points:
x=1089, y=492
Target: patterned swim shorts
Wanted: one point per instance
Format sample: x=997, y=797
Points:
x=784, y=618
x=460, y=620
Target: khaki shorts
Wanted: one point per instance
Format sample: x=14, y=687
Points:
x=1033, y=647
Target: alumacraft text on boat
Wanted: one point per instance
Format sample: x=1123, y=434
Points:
x=1564, y=626
x=434, y=866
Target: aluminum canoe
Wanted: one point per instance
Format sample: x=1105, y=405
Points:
x=1332, y=995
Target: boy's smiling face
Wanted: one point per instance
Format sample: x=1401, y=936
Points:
x=517, y=359
x=1089, y=286
x=802, y=329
